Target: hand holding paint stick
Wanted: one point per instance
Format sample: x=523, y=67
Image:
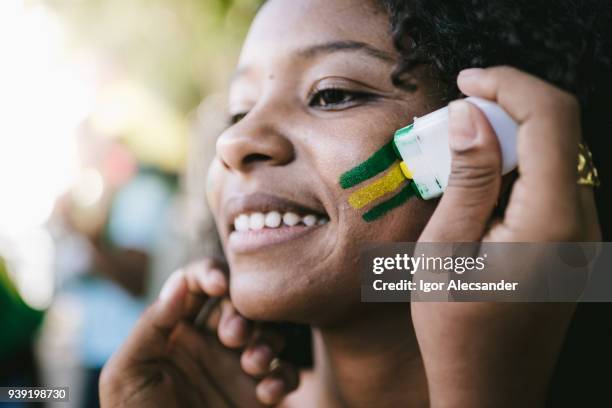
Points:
x=420, y=154
x=423, y=146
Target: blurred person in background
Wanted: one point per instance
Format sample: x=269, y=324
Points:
x=107, y=245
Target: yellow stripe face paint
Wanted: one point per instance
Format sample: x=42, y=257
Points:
x=371, y=192
x=396, y=182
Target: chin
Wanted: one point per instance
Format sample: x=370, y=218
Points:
x=270, y=296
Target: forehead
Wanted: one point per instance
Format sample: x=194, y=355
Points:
x=283, y=26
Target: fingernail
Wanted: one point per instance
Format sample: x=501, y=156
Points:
x=471, y=72
x=236, y=328
x=462, y=131
x=261, y=355
x=273, y=388
x=171, y=285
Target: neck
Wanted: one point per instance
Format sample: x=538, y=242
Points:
x=371, y=361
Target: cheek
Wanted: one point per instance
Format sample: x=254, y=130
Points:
x=378, y=185
x=361, y=167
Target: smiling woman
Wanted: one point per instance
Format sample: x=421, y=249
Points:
x=319, y=91
x=312, y=103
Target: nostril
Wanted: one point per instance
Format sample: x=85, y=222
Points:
x=255, y=157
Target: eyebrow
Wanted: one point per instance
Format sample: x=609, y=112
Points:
x=335, y=46
x=331, y=47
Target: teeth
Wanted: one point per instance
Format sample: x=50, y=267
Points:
x=291, y=219
x=309, y=220
x=241, y=223
x=257, y=221
x=273, y=219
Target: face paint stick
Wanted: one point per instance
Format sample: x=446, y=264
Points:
x=423, y=146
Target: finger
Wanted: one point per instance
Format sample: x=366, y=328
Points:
x=209, y=277
x=256, y=360
x=474, y=182
x=185, y=349
x=272, y=389
x=234, y=330
x=210, y=318
x=265, y=347
x=549, y=121
x=149, y=338
x=592, y=229
x=205, y=279
x=213, y=368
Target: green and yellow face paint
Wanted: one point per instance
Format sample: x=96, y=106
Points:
x=382, y=175
x=417, y=161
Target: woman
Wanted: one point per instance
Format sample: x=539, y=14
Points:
x=320, y=86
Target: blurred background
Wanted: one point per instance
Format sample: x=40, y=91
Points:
x=109, y=111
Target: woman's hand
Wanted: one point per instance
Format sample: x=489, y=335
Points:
x=502, y=354
x=167, y=362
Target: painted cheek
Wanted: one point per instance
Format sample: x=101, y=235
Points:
x=382, y=184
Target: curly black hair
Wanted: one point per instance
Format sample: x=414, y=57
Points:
x=566, y=42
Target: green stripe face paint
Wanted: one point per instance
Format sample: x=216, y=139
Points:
x=375, y=164
x=394, y=202
x=392, y=180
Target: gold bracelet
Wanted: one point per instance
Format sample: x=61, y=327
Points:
x=587, y=172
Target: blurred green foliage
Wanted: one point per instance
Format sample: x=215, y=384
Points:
x=18, y=320
x=183, y=49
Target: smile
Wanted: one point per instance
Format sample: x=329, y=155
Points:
x=257, y=221
x=261, y=220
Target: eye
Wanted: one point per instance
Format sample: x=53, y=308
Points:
x=334, y=98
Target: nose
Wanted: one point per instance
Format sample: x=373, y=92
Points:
x=251, y=143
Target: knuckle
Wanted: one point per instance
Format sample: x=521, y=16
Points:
x=473, y=176
x=505, y=74
x=568, y=230
x=562, y=232
x=573, y=229
x=563, y=104
x=570, y=106
x=505, y=70
x=568, y=100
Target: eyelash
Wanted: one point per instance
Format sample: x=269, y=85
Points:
x=353, y=97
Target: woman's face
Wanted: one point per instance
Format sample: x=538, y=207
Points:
x=312, y=97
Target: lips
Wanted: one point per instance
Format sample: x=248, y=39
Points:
x=259, y=220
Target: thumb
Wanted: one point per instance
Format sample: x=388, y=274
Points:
x=474, y=182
